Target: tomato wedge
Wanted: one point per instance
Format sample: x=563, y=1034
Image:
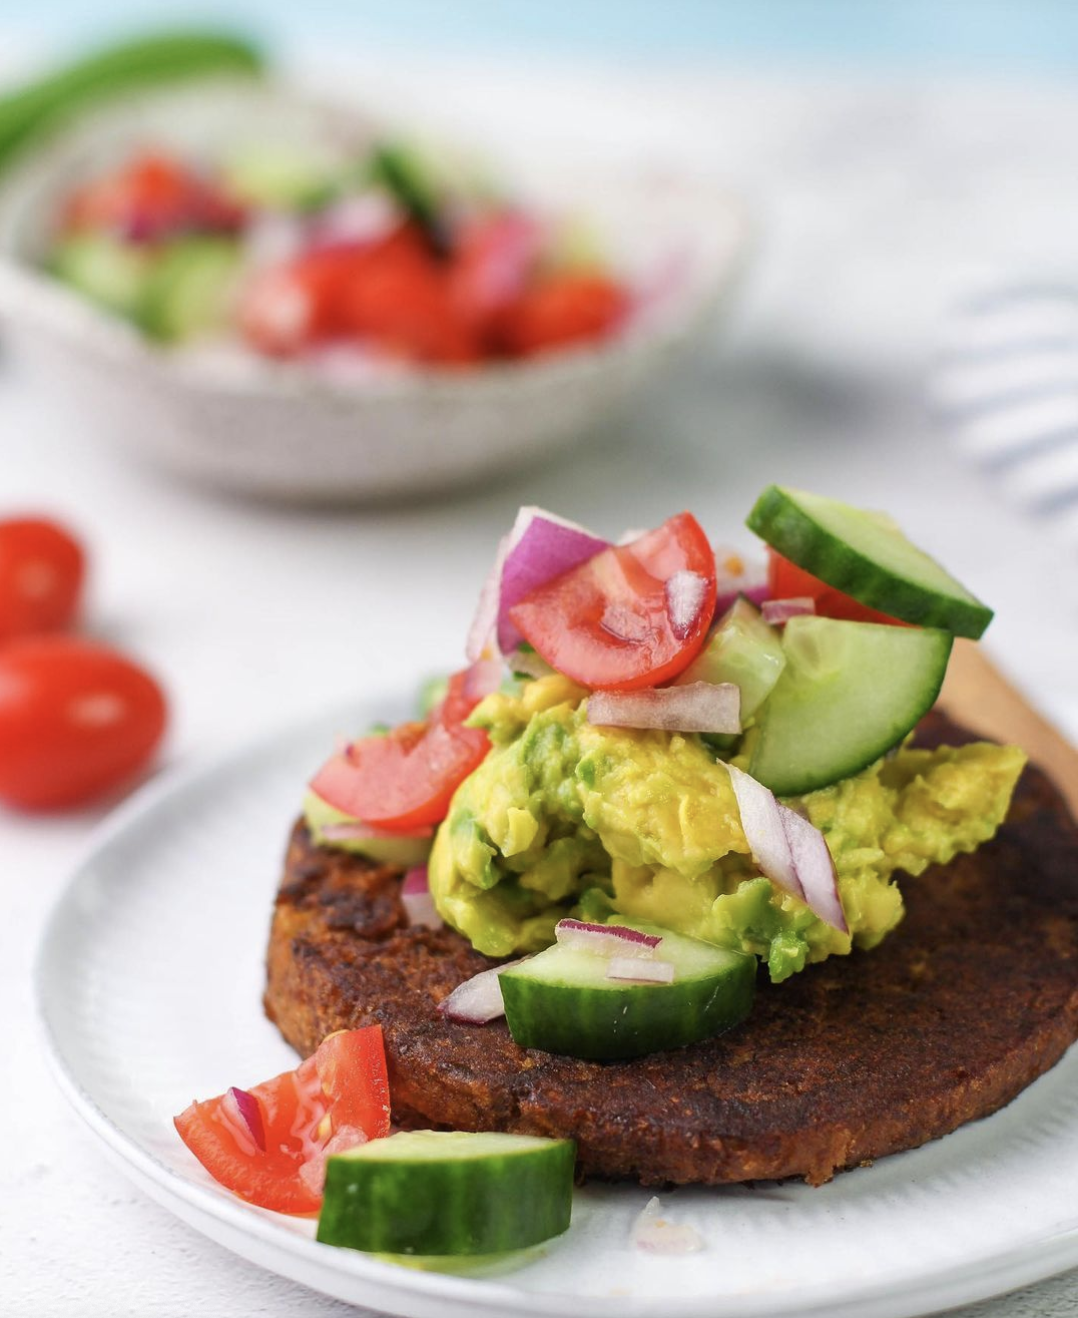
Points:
x=406, y=779
x=786, y=580
x=268, y=1145
x=615, y=622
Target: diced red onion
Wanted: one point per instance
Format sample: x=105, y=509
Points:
x=638, y=971
x=479, y=999
x=483, y=678
x=539, y=547
x=654, y=1234
x=417, y=901
x=735, y=577
x=685, y=595
x=313, y=1172
x=789, y=850
x=609, y=940
x=245, y=1111
x=529, y=663
x=508, y=245
x=357, y=831
x=694, y=707
x=780, y=611
x=360, y=221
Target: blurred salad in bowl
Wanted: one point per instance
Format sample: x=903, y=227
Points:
x=399, y=255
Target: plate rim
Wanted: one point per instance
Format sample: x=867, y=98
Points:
x=206, y=1209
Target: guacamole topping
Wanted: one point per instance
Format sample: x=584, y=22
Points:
x=567, y=818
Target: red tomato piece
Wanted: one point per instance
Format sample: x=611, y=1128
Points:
x=76, y=720
x=152, y=197
x=399, y=297
x=788, y=581
x=608, y=623
x=337, y=1098
x=493, y=261
x=42, y=567
x=562, y=310
x=287, y=308
x=405, y=780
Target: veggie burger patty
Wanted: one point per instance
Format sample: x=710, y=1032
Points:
x=964, y=1005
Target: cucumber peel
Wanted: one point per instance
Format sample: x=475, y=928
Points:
x=866, y=556
x=437, y=1192
x=850, y=691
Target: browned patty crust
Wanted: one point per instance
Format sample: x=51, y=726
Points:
x=966, y=1003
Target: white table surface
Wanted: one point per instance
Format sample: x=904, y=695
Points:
x=875, y=203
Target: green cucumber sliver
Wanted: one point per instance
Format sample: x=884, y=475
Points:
x=561, y=1001
x=865, y=555
x=849, y=692
x=448, y=1193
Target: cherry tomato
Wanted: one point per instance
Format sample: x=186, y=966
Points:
x=561, y=310
x=406, y=779
x=337, y=1098
x=788, y=581
x=42, y=567
x=76, y=719
x=608, y=623
x=150, y=198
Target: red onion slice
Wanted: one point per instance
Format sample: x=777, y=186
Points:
x=735, y=577
x=694, y=707
x=357, y=831
x=789, y=850
x=635, y=970
x=417, y=901
x=685, y=595
x=654, y=1234
x=507, y=247
x=479, y=999
x=483, y=678
x=245, y=1112
x=779, y=611
x=539, y=547
x=609, y=940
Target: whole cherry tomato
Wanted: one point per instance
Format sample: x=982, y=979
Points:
x=42, y=567
x=76, y=719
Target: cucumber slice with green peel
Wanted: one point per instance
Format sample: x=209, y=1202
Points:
x=865, y=555
x=562, y=1001
x=742, y=649
x=448, y=1192
x=849, y=692
x=190, y=288
x=111, y=273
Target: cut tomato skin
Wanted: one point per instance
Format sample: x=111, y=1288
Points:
x=76, y=719
x=344, y=1081
x=561, y=311
x=405, y=780
x=607, y=623
x=786, y=580
x=42, y=568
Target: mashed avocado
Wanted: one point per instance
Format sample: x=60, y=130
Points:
x=563, y=817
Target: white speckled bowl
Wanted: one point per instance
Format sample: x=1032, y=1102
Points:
x=228, y=419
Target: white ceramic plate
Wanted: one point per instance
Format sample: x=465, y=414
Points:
x=149, y=981
x=225, y=417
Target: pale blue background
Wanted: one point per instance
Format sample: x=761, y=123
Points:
x=1010, y=35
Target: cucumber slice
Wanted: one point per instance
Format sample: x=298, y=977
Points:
x=400, y=851
x=865, y=555
x=190, y=288
x=849, y=692
x=561, y=1000
x=283, y=178
x=109, y=272
x=745, y=650
x=448, y=1192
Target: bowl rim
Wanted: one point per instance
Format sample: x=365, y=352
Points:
x=28, y=294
